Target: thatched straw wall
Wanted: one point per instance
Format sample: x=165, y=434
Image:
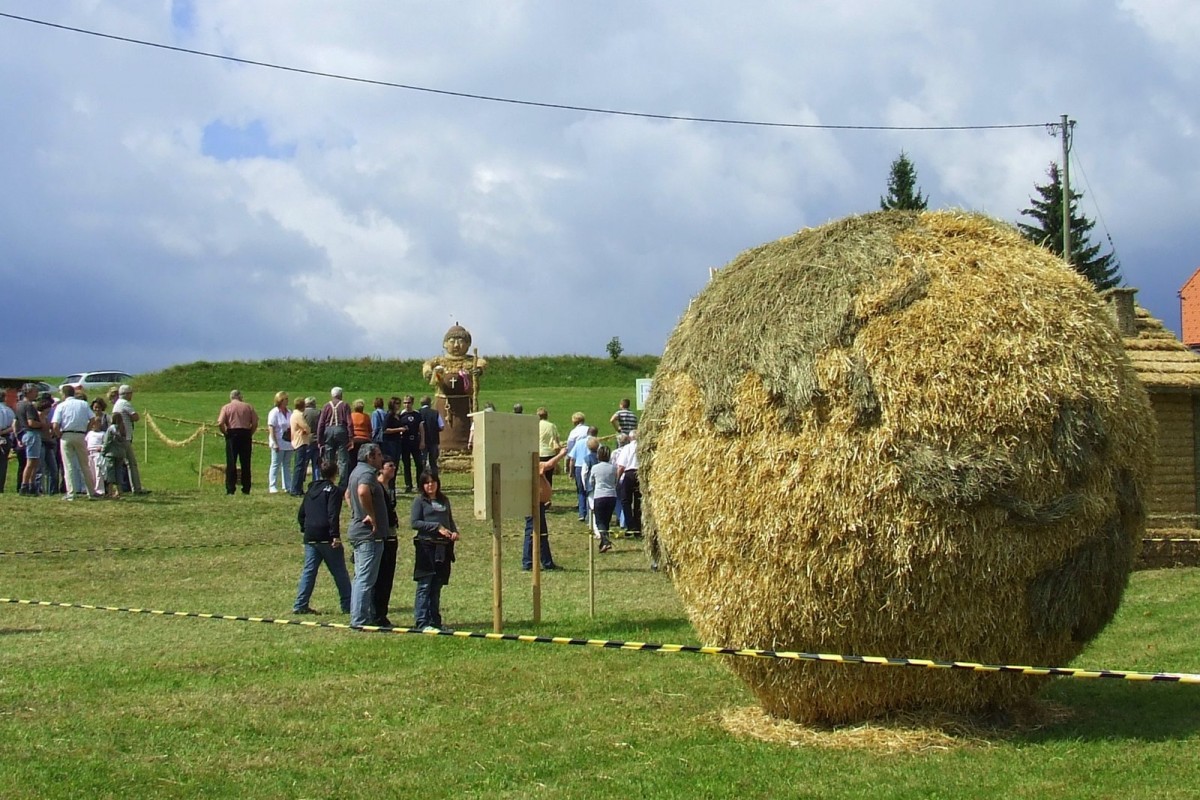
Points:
x=898, y=434
x=1171, y=373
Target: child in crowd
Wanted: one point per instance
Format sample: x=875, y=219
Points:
x=94, y=439
x=112, y=451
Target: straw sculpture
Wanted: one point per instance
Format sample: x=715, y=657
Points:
x=906, y=434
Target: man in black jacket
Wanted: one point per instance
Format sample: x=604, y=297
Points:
x=320, y=524
x=431, y=431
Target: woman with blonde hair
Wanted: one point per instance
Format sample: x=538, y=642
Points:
x=279, y=433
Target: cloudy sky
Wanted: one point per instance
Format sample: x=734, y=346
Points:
x=159, y=207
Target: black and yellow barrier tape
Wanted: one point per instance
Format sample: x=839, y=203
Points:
x=611, y=644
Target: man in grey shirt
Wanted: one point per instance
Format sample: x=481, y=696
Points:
x=368, y=528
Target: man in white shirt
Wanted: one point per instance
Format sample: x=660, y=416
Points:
x=631, y=493
x=129, y=415
x=70, y=422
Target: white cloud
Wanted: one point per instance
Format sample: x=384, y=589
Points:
x=399, y=212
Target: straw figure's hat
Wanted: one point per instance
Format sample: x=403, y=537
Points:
x=900, y=434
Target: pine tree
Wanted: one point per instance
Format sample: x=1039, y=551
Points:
x=903, y=193
x=1047, y=212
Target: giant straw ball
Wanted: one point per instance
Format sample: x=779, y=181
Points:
x=900, y=434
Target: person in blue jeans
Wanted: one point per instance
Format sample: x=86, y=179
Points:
x=320, y=523
x=367, y=531
x=546, y=468
x=436, y=534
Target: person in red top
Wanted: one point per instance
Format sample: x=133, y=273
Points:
x=237, y=421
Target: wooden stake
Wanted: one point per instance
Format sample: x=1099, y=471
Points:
x=497, y=576
x=537, y=538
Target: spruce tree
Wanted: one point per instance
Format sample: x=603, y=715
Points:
x=903, y=193
x=1047, y=213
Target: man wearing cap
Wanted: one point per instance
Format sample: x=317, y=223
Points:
x=70, y=422
x=124, y=410
x=367, y=531
x=29, y=438
x=237, y=422
x=333, y=433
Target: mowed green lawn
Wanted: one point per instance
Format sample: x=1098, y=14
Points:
x=112, y=704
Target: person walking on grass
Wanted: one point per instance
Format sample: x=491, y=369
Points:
x=237, y=422
x=387, y=560
x=546, y=468
x=124, y=409
x=302, y=442
x=367, y=531
x=71, y=420
x=602, y=485
x=320, y=524
x=623, y=420
x=333, y=434
x=29, y=438
x=279, y=435
x=436, y=534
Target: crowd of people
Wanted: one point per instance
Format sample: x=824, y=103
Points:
x=69, y=447
x=301, y=438
x=373, y=536
x=74, y=448
x=606, y=482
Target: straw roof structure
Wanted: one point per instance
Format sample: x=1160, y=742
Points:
x=906, y=434
x=1161, y=361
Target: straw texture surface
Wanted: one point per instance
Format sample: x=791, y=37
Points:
x=907, y=434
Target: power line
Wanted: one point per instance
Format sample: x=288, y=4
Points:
x=1095, y=202
x=514, y=101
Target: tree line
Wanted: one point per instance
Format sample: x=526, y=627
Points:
x=1044, y=227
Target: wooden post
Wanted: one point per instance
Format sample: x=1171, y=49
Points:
x=591, y=543
x=200, y=465
x=146, y=442
x=474, y=380
x=497, y=574
x=537, y=537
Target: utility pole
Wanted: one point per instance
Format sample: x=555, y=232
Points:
x=1066, y=125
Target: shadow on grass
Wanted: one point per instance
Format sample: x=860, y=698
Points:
x=656, y=629
x=1110, y=709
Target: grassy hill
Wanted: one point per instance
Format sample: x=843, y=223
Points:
x=503, y=373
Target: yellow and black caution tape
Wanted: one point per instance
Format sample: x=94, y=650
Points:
x=611, y=644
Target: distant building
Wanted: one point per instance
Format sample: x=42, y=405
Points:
x=1189, y=310
x=1171, y=374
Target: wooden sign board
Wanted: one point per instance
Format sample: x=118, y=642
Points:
x=508, y=440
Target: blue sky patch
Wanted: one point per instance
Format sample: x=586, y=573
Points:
x=183, y=15
x=227, y=143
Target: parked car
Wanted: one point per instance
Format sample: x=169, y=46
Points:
x=101, y=379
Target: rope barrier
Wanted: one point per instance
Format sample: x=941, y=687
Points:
x=174, y=442
x=1061, y=672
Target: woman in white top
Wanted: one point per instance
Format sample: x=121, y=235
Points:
x=279, y=431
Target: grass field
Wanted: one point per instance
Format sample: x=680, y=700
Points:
x=113, y=704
